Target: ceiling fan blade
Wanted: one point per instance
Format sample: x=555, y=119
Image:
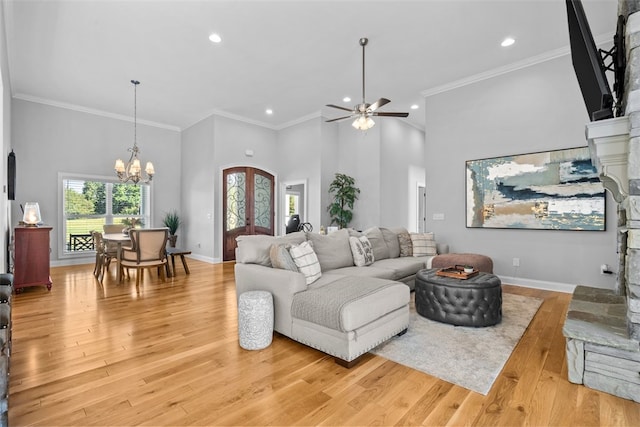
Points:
x=381, y=114
x=379, y=103
x=339, y=118
x=339, y=107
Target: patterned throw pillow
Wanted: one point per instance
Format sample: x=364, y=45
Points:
x=361, y=250
x=423, y=244
x=281, y=258
x=306, y=260
x=406, y=247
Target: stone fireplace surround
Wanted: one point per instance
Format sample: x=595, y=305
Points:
x=602, y=327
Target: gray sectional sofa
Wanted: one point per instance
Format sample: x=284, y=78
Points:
x=348, y=310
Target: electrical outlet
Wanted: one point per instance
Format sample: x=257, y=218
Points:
x=516, y=262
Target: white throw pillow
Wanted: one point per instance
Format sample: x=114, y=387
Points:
x=361, y=250
x=423, y=244
x=306, y=260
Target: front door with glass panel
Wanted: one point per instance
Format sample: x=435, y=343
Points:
x=247, y=205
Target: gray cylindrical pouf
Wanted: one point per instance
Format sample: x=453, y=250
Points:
x=255, y=320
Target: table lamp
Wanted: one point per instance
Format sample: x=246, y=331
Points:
x=31, y=216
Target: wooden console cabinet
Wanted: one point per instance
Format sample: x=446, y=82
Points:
x=31, y=257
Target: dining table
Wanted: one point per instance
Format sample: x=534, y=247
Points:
x=120, y=239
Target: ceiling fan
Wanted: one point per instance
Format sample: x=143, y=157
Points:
x=364, y=111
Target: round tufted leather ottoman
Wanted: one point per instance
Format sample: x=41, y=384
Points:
x=476, y=301
x=479, y=262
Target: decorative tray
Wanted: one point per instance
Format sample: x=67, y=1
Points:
x=456, y=272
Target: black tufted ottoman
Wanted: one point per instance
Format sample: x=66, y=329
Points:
x=473, y=302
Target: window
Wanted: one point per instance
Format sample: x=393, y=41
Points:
x=90, y=202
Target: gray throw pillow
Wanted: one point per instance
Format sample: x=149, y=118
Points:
x=333, y=250
x=281, y=258
x=380, y=249
x=391, y=239
x=255, y=249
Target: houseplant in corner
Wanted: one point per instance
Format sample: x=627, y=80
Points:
x=344, y=195
x=172, y=222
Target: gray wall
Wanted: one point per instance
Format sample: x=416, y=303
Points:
x=49, y=140
x=402, y=159
x=198, y=195
x=5, y=135
x=538, y=108
x=299, y=150
x=359, y=157
x=387, y=162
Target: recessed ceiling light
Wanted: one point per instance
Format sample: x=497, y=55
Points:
x=507, y=42
x=415, y=106
x=268, y=111
x=215, y=38
x=346, y=99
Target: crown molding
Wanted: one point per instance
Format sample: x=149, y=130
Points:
x=93, y=111
x=528, y=62
x=314, y=115
x=220, y=113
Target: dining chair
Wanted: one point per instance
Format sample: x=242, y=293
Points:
x=104, y=255
x=148, y=250
x=113, y=228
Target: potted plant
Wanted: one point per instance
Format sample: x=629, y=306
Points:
x=344, y=195
x=131, y=223
x=172, y=222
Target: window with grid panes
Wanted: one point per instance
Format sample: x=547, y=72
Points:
x=90, y=202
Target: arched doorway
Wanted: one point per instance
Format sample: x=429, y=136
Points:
x=247, y=205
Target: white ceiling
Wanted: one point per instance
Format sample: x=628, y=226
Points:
x=291, y=56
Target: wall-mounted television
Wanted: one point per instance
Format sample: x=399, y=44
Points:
x=588, y=64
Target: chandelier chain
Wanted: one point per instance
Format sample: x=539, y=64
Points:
x=132, y=171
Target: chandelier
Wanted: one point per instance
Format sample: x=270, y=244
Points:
x=132, y=170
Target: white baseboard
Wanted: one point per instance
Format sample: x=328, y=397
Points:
x=72, y=261
x=538, y=284
x=204, y=258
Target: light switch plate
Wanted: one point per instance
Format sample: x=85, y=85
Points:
x=438, y=217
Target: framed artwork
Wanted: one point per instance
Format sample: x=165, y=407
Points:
x=551, y=190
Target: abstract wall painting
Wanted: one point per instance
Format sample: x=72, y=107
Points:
x=552, y=190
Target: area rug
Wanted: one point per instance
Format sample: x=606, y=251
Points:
x=466, y=356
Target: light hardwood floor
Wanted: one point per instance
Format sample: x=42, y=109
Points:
x=168, y=354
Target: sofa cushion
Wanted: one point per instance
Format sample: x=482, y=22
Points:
x=380, y=249
x=306, y=261
x=370, y=271
x=255, y=249
x=361, y=250
x=333, y=251
x=402, y=267
x=423, y=244
x=349, y=303
x=281, y=258
x=391, y=239
x=406, y=247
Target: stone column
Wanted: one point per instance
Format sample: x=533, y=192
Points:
x=632, y=202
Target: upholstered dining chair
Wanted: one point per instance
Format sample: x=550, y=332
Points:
x=113, y=228
x=148, y=250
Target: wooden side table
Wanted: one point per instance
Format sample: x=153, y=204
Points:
x=173, y=252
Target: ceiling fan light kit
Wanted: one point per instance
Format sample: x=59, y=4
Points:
x=363, y=112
